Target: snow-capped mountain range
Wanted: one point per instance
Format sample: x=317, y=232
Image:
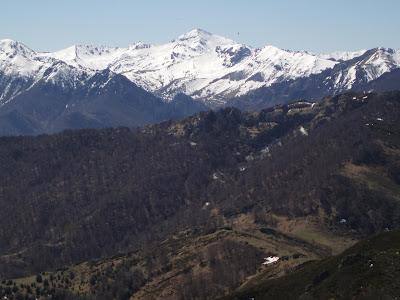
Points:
x=206, y=67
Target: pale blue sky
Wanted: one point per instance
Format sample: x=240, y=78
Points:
x=313, y=25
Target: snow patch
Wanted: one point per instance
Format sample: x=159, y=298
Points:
x=249, y=157
x=303, y=131
x=270, y=260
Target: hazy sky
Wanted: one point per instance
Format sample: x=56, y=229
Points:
x=314, y=25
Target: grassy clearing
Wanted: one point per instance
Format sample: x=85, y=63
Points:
x=27, y=280
x=382, y=182
x=313, y=237
x=368, y=270
x=374, y=178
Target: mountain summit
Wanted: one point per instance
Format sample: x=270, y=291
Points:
x=194, y=34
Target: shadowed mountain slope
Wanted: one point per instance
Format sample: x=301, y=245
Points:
x=103, y=100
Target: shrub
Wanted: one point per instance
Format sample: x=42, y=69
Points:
x=39, y=278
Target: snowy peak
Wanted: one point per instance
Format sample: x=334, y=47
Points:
x=378, y=61
x=139, y=45
x=291, y=64
x=200, y=39
x=369, y=66
x=383, y=55
x=196, y=34
x=342, y=56
x=12, y=48
x=92, y=56
x=67, y=55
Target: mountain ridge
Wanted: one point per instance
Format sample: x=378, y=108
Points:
x=212, y=71
x=206, y=67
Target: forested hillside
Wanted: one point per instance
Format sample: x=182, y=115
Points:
x=82, y=195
